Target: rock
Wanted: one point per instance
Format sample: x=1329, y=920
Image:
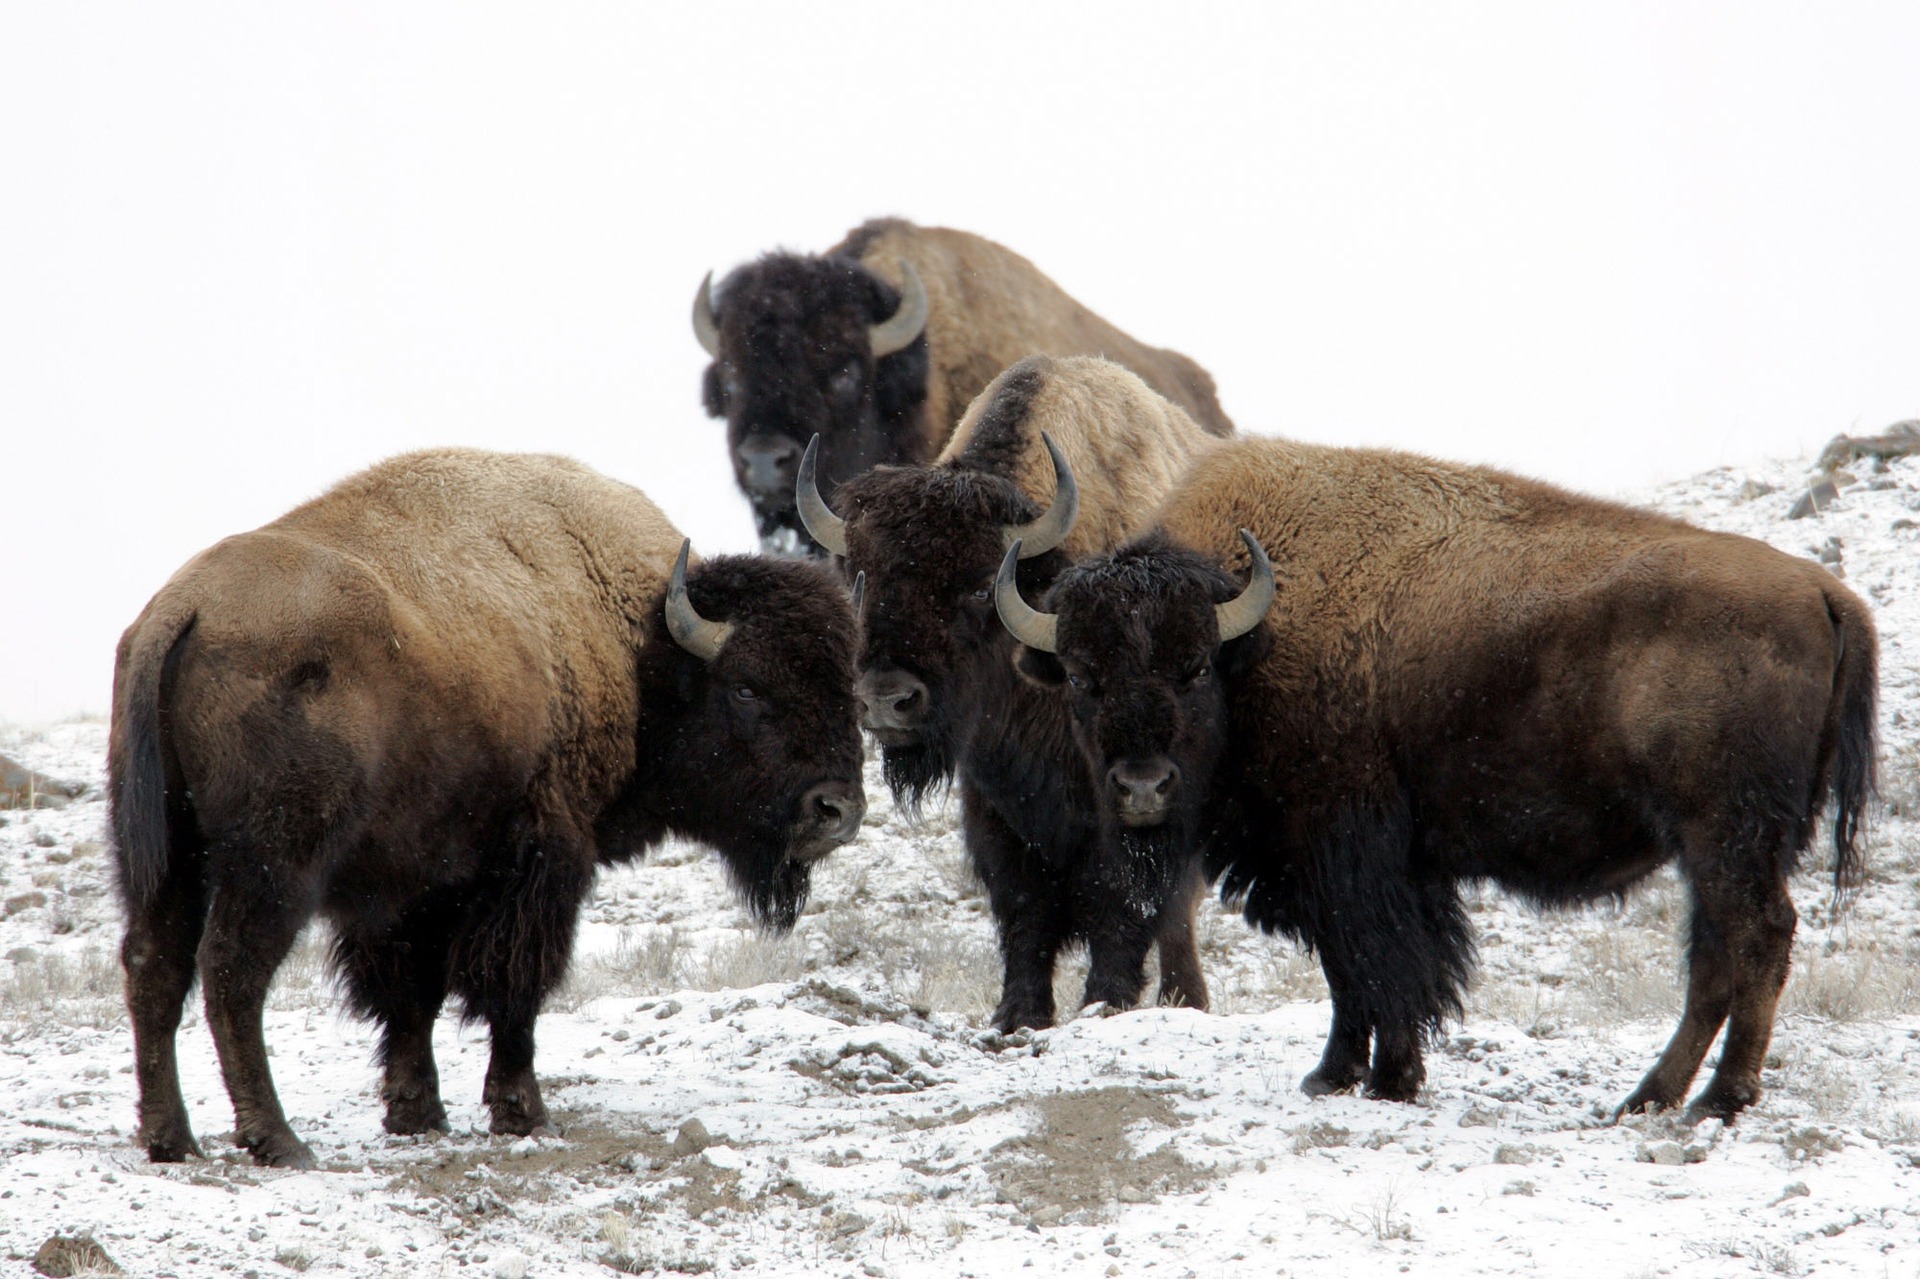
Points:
x=1513, y=1155
x=65, y=1255
x=21, y=787
x=692, y=1138
x=22, y=901
x=1902, y=439
x=1478, y=1116
x=1667, y=1153
x=1755, y=489
x=1820, y=495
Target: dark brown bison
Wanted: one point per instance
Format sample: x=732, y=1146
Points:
x=1469, y=676
x=878, y=346
x=426, y=706
x=936, y=681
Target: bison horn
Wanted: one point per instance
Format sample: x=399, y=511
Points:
x=705, y=327
x=908, y=320
x=1028, y=625
x=859, y=593
x=825, y=527
x=691, y=631
x=1243, y=612
x=1050, y=528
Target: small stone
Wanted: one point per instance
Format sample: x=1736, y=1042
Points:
x=1478, y=1116
x=1666, y=1153
x=667, y=1008
x=1513, y=1155
x=1049, y=1215
x=1755, y=489
x=849, y=1223
x=692, y=1138
x=1518, y=1188
x=620, y=1036
x=23, y=901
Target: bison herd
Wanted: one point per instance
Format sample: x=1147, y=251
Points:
x=1334, y=684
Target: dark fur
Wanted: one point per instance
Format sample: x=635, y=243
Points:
x=1029, y=819
x=1344, y=811
x=259, y=778
x=796, y=362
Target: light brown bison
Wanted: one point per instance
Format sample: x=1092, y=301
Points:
x=878, y=346
x=1468, y=675
x=937, y=685
x=426, y=705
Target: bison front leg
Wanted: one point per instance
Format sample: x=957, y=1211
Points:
x=249, y=932
x=398, y=976
x=1029, y=914
x=512, y=954
x=1182, y=982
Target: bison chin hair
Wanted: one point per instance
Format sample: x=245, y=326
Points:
x=915, y=772
x=773, y=885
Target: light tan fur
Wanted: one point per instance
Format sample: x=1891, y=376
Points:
x=1126, y=444
x=497, y=597
x=988, y=307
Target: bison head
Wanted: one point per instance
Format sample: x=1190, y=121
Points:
x=749, y=739
x=933, y=662
x=806, y=346
x=1145, y=641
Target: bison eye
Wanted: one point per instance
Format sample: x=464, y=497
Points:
x=845, y=384
x=1198, y=671
x=745, y=694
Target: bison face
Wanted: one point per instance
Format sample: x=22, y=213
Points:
x=1137, y=642
x=804, y=346
x=749, y=738
x=934, y=662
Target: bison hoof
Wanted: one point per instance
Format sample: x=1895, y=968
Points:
x=411, y=1116
x=1644, y=1100
x=282, y=1150
x=170, y=1147
x=1006, y=1019
x=1721, y=1102
x=1325, y=1083
x=515, y=1117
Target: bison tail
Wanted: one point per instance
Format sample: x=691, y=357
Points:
x=139, y=763
x=1849, y=756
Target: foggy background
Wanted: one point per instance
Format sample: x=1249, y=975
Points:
x=246, y=249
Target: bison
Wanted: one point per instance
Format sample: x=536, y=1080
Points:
x=1470, y=676
x=878, y=346
x=937, y=686
x=426, y=706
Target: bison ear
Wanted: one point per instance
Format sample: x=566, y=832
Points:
x=712, y=393
x=1039, y=667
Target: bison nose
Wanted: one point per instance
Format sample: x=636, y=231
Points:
x=769, y=464
x=830, y=815
x=1144, y=787
x=891, y=700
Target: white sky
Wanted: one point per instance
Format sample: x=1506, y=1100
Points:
x=251, y=248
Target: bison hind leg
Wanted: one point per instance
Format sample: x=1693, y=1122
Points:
x=158, y=957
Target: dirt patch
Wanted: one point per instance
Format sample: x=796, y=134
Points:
x=1081, y=1157
x=479, y=1181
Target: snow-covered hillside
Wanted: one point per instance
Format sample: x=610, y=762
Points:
x=828, y=1104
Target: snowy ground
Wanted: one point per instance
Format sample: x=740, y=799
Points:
x=829, y=1105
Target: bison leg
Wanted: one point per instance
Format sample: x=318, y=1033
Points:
x=511, y=954
x=1029, y=914
x=1182, y=983
x=1343, y=1064
x=398, y=976
x=249, y=932
x=158, y=956
x=1760, y=938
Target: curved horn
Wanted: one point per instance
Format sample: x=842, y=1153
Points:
x=909, y=318
x=822, y=524
x=1030, y=626
x=691, y=631
x=859, y=593
x=1243, y=612
x=705, y=327
x=1050, y=528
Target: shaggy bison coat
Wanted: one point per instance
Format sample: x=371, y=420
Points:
x=800, y=347
x=938, y=689
x=1469, y=675
x=426, y=705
